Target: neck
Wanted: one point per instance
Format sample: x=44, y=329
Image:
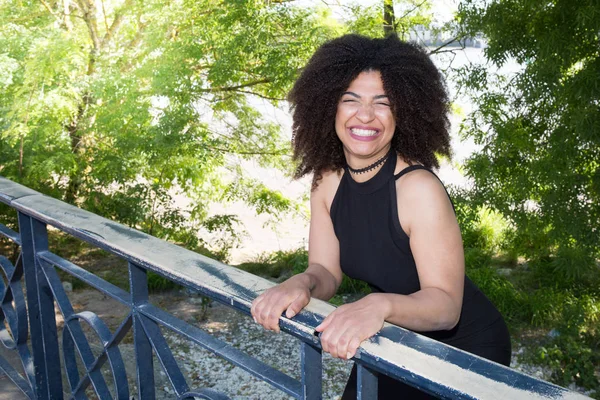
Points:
x=369, y=167
x=358, y=162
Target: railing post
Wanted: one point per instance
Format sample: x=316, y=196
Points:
x=366, y=383
x=138, y=284
x=40, y=310
x=312, y=371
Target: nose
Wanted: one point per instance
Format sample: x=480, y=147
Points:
x=365, y=113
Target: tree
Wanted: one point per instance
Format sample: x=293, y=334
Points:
x=117, y=105
x=539, y=127
x=107, y=103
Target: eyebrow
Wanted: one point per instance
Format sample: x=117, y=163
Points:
x=379, y=96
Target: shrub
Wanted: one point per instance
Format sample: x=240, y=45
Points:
x=571, y=359
x=278, y=264
x=510, y=302
x=158, y=283
x=353, y=286
x=568, y=270
x=477, y=258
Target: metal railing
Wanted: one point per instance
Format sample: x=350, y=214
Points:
x=29, y=326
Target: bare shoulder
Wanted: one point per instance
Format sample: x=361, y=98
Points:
x=421, y=197
x=419, y=183
x=325, y=191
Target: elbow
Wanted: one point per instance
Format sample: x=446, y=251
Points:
x=451, y=324
x=452, y=317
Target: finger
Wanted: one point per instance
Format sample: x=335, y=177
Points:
x=297, y=305
x=330, y=338
x=271, y=317
x=261, y=308
x=342, y=345
x=255, y=304
x=353, y=347
x=325, y=342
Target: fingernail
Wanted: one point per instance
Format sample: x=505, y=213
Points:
x=349, y=355
x=254, y=318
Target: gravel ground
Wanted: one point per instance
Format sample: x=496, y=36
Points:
x=277, y=350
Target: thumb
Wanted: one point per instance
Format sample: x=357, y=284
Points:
x=294, y=308
x=324, y=324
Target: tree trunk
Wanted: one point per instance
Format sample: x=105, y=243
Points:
x=389, y=19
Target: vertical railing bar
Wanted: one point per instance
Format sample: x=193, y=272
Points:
x=44, y=337
x=164, y=355
x=74, y=327
x=366, y=383
x=138, y=283
x=23, y=326
x=312, y=371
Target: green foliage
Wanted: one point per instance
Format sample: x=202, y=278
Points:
x=510, y=301
x=282, y=264
x=159, y=283
x=353, y=286
x=539, y=126
x=368, y=20
x=230, y=235
x=565, y=274
x=484, y=232
x=120, y=109
x=477, y=258
x=571, y=362
x=279, y=264
x=573, y=352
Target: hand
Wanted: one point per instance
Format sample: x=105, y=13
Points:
x=290, y=296
x=344, y=329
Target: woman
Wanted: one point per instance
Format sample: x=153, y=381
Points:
x=370, y=116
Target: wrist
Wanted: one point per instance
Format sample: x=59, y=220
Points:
x=311, y=281
x=306, y=280
x=382, y=304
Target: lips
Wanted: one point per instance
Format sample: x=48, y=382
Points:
x=364, y=134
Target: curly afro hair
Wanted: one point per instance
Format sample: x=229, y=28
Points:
x=413, y=84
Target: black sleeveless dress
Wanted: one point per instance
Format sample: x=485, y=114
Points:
x=374, y=248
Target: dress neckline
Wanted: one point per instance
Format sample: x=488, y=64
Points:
x=377, y=181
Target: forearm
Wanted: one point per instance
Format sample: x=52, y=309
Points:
x=321, y=282
x=429, y=309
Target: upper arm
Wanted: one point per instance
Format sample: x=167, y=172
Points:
x=427, y=216
x=323, y=245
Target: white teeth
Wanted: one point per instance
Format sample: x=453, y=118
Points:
x=363, y=132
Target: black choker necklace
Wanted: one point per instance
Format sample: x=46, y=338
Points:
x=369, y=167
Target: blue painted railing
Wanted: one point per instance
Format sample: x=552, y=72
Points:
x=32, y=330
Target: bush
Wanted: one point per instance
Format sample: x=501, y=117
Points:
x=510, y=302
x=477, y=258
x=353, y=286
x=566, y=271
x=158, y=283
x=572, y=360
x=278, y=264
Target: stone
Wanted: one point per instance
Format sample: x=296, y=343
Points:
x=68, y=286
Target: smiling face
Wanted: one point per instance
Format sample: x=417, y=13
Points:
x=364, y=121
